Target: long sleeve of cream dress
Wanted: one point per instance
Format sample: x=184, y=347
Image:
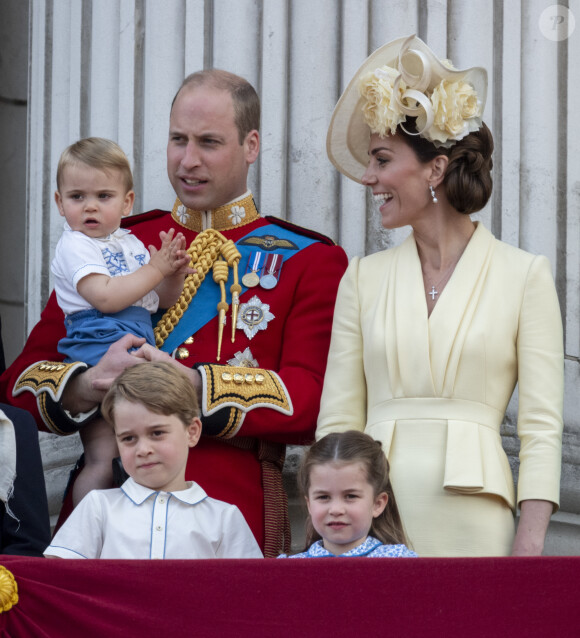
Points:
x=434, y=390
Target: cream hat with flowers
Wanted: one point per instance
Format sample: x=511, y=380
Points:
x=404, y=78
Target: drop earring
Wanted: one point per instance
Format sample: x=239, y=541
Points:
x=432, y=191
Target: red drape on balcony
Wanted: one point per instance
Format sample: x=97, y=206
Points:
x=316, y=597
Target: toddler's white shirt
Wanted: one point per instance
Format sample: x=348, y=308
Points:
x=78, y=255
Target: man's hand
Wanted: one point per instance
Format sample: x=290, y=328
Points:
x=87, y=389
x=114, y=361
x=148, y=353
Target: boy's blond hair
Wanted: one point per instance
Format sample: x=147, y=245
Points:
x=159, y=386
x=99, y=153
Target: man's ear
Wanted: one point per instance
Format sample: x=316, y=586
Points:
x=252, y=146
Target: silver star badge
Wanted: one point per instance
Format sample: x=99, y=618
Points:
x=253, y=316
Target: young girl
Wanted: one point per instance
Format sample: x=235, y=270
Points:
x=352, y=509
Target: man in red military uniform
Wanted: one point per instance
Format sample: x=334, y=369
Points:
x=252, y=325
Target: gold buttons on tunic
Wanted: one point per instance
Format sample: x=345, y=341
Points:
x=240, y=379
x=189, y=340
x=182, y=353
x=51, y=367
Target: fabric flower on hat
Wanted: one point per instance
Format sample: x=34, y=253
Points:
x=445, y=114
x=380, y=110
x=456, y=111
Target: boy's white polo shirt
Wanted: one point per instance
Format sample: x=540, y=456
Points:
x=134, y=521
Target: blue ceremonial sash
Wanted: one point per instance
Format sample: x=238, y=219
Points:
x=203, y=307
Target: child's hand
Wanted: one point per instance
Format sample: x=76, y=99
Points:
x=172, y=257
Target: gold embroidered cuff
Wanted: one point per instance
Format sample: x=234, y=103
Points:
x=47, y=381
x=232, y=391
x=47, y=376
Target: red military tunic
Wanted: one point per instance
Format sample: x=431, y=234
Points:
x=244, y=470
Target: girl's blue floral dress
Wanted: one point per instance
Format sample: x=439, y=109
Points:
x=371, y=548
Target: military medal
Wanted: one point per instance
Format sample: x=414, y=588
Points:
x=271, y=271
x=251, y=279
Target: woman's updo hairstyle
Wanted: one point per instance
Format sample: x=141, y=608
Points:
x=467, y=181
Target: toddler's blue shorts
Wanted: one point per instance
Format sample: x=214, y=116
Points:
x=89, y=333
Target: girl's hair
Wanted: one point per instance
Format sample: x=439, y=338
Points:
x=352, y=446
x=159, y=386
x=467, y=181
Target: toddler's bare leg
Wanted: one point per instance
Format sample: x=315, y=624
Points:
x=100, y=448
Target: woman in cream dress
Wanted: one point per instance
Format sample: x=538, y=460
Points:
x=430, y=338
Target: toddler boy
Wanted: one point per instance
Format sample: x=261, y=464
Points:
x=106, y=281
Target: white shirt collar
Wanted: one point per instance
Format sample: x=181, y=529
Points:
x=139, y=493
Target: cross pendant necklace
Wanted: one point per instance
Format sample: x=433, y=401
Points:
x=434, y=292
x=438, y=286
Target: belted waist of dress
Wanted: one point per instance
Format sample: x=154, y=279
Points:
x=474, y=463
x=436, y=408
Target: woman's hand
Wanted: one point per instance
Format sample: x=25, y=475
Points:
x=534, y=519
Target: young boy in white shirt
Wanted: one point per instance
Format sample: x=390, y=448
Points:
x=156, y=513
